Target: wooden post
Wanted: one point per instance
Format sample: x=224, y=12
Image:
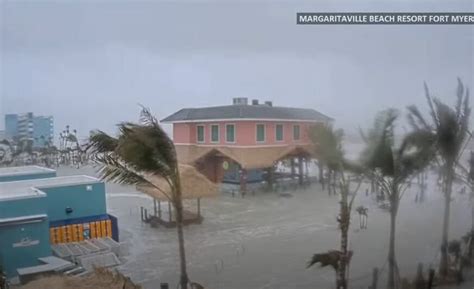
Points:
x=199, y=206
x=159, y=209
x=306, y=173
x=300, y=170
x=375, y=278
x=293, y=170
x=271, y=178
x=243, y=181
x=169, y=212
x=431, y=278
x=141, y=213
x=321, y=173
x=154, y=206
x=419, y=280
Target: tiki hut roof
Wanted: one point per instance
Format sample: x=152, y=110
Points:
x=248, y=158
x=194, y=185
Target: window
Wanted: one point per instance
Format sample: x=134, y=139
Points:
x=260, y=132
x=215, y=133
x=296, y=132
x=279, y=132
x=230, y=133
x=200, y=133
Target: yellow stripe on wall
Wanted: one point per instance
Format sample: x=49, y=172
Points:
x=109, y=228
x=81, y=232
x=92, y=230
x=75, y=232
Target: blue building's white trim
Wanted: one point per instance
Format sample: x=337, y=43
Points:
x=23, y=220
x=24, y=170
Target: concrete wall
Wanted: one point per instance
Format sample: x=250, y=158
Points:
x=23, y=177
x=84, y=200
x=246, y=132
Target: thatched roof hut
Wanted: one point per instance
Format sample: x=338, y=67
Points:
x=194, y=185
x=99, y=279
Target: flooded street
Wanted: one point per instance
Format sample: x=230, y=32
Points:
x=265, y=240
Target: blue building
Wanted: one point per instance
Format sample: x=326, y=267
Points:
x=24, y=235
x=11, y=126
x=27, y=126
x=38, y=212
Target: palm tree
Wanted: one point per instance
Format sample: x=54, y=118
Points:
x=139, y=154
x=449, y=128
x=328, y=146
x=391, y=168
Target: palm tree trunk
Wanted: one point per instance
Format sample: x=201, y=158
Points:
x=182, y=253
x=443, y=265
x=391, y=249
x=341, y=281
x=341, y=278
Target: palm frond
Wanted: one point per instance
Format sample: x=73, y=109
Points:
x=378, y=154
x=101, y=142
x=460, y=96
x=431, y=106
x=330, y=258
x=416, y=119
x=113, y=170
x=144, y=146
x=328, y=145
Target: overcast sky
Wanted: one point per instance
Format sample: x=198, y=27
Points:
x=90, y=63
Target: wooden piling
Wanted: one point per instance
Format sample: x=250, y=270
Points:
x=375, y=278
x=431, y=279
x=169, y=211
x=199, y=207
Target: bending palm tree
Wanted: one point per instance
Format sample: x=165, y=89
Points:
x=328, y=145
x=391, y=168
x=138, y=156
x=449, y=128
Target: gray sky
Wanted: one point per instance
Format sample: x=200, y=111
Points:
x=89, y=63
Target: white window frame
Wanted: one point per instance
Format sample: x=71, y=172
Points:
x=218, y=133
x=282, y=132
x=299, y=132
x=235, y=133
x=264, y=133
x=203, y=133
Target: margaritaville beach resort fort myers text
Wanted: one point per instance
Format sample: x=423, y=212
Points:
x=385, y=18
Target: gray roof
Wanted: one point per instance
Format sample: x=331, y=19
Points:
x=24, y=170
x=261, y=111
x=32, y=188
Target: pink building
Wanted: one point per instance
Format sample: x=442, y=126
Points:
x=252, y=136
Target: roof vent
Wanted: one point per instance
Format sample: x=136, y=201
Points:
x=269, y=103
x=254, y=101
x=240, y=101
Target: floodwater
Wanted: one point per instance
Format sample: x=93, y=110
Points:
x=265, y=240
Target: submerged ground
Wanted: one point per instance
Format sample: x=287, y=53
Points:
x=264, y=241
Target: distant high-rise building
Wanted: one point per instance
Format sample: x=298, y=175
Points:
x=27, y=126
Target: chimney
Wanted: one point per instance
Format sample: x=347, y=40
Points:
x=240, y=101
x=254, y=101
x=269, y=103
